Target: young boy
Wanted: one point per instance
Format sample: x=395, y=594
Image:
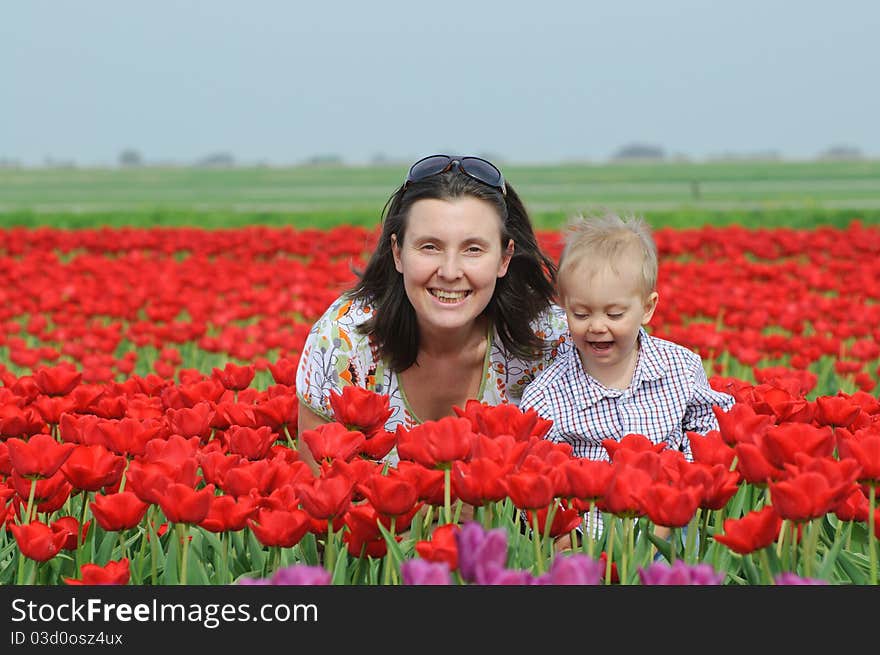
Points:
x=618, y=379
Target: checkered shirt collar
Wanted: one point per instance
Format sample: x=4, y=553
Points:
x=589, y=391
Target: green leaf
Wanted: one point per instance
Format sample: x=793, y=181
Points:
x=662, y=545
x=855, y=566
x=170, y=575
x=309, y=547
x=256, y=551
x=109, y=540
x=830, y=559
x=391, y=542
x=750, y=570
x=340, y=571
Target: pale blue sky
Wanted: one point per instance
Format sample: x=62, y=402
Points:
x=279, y=82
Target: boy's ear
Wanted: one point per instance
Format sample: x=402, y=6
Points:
x=650, y=306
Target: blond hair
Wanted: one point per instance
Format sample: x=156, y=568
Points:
x=608, y=238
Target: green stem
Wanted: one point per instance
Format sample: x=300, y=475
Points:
x=153, y=532
x=183, y=530
x=82, y=519
x=590, y=528
x=704, y=530
x=30, y=503
x=447, y=493
x=692, y=538
x=536, y=541
x=389, y=557
x=224, y=575
x=609, y=551
x=811, y=545
x=629, y=532
x=765, y=566
x=330, y=548
x=872, y=537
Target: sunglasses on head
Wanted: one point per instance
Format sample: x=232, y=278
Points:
x=474, y=167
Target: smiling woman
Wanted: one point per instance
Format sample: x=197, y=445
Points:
x=455, y=304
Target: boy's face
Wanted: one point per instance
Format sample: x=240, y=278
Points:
x=605, y=310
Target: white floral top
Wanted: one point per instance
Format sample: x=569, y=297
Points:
x=336, y=354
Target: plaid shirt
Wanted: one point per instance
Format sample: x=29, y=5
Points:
x=669, y=395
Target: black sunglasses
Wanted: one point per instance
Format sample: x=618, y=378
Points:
x=474, y=167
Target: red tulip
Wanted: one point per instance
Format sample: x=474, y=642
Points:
x=864, y=447
x=234, y=377
x=326, y=497
x=252, y=443
x=391, y=495
x=717, y=484
x=40, y=456
x=18, y=422
x=587, y=479
x=442, y=547
x=359, y=409
x=429, y=482
x=803, y=497
x=331, y=441
x=564, y=520
x=782, y=442
x=637, y=443
x=182, y=504
x=280, y=528
x=836, y=411
x=277, y=412
x=436, y=444
x=228, y=514
x=58, y=380
x=72, y=527
x=37, y=541
x=505, y=418
x=711, y=449
x=119, y=511
x=479, y=481
x=754, y=531
x=284, y=371
x=740, y=424
x=668, y=505
x=363, y=536
x=530, y=490
x=853, y=507
x=92, y=467
x=112, y=573
x=624, y=490
x=753, y=465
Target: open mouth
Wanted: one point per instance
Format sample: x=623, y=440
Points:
x=600, y=346
x=449, y=297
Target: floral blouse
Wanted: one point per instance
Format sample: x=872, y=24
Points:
x=336, y=354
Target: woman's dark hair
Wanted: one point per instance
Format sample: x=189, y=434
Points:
x=519, y=297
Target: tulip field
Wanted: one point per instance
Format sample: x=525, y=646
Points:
x=148, y=425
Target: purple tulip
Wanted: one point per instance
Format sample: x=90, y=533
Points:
x=478, y=548
x=254, y=581
x=498, y=575
x=788, y=578
x=679, y=573
x=575, y=569
x=301, y=574
x=423, y=572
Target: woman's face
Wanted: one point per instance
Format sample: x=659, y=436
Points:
x=450, y=259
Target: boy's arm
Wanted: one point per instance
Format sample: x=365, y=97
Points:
x=698, y=416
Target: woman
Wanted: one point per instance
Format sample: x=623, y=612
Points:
x=456, y=303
